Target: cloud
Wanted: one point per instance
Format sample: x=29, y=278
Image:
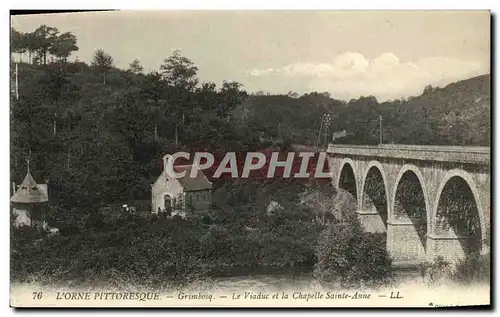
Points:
x=351, y=75
x=262, y=72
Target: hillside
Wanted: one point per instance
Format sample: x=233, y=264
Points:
x=97, y=138
x=458, y=114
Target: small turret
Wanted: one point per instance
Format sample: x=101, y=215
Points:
x=30, y=192
x=29, y=201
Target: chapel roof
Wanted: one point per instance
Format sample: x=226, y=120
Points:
x=30, y=192
x=199, y=182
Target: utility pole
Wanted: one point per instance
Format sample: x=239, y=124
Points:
x=55, y=130
x=17, y=81
x=328, y=120
x=156, y=131
x=380, y=132
x=326, y=130
x=319, y=135
x=325, y=122
x=176, y=134
x=68, y=161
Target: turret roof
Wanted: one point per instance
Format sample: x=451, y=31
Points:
x=30, y=192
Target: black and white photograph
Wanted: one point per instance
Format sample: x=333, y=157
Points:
x=209, y=158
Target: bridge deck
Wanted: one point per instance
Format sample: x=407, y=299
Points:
x=462, y=154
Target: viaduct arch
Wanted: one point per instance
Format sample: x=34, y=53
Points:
x=429, y=201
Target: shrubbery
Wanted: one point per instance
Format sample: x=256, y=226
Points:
x=154, y=249
x=151, y=250
x=474, y=269
x=436, y=270
x=348, y=255
x=238, y=237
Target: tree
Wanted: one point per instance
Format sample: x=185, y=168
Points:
x=363, y=101
x=180, y=71
x=135, y=67
x=356, y=258
x=428, y=89
x=17, y=42
x=151, y=91
x=45, y=37
x=232, y=97
x=63, y=45
x=31, y=43
x=60, y=92
x=207, y=96
x=103, y=62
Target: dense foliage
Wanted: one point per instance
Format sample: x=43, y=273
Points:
x=458, y=114
x=75, y=117
x=357, y=258
x=238, y=237
x=97, y=133
x=475, y=268
x=43, y=42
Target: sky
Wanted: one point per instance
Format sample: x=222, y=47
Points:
x=386, y=54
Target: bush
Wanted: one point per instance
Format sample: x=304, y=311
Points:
x=107, y=245
x=136, y=249
x=352, y=257
x=288, y=244
x=436, y=270
x=474, y=269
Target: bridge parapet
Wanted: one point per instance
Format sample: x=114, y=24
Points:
x=445, y=183
x=458, y=154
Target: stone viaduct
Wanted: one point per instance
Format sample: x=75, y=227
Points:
x=429, y=200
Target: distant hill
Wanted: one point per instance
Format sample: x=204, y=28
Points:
x=457, y=114
x=105, y=139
